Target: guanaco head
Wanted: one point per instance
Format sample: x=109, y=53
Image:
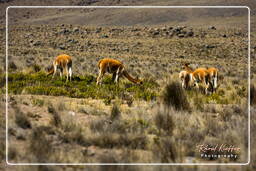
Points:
x=49, y=69
x=183, y=65
x=187, y=67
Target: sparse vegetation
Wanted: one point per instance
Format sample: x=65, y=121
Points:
x=56, y=120
x=164, y=122
x=115, y=112
x=253, y=95
x=22, y=120
x=174, y=96
x=40, y=144
x=157, y=121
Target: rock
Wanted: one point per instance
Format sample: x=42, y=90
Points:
x=62, y=47
x=212, y=28
x=189, y=34
x=12, y=65
x=224, y=35
x=104, y=36
x=98, y=30
x=71, y=113
x=163, y=28
x=64, y=31
x=37, y=43
x=181, y=35
x=210, y=46
x=76, y=29
x=156, y=33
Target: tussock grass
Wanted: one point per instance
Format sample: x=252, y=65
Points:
x=2, y=150
x=22, y=120
x=166, y=149
x=174, y=96
x=56, y=120
x=164, y=122
x=115, y=112
x=12, y=153
x=40, y=144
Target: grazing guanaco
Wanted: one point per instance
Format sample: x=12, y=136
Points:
x=184, y=77
x=115, y=67
x=213, y=77
x=64, y=63
x=199, y=75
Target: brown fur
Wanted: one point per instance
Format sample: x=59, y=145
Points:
x=185, y=78
x=64, y=63
x=199, y=75
x=213, y=77
x=115, y=67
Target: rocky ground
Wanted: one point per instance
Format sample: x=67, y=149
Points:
x=126, y=130
x=129, y=123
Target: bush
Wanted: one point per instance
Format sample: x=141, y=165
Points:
x=166, y=149
x=164, y=122
x=12, y=153
x=56, y=120
x=36, y=68
x=40, y=145
x=174, y=96
x=21, y=120
x=115, y=112
x=114, y=140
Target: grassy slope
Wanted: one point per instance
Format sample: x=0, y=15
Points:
x=204, y=120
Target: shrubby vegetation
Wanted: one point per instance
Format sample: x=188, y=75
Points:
x=80, y=87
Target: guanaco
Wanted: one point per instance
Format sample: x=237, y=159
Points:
x=184, y=77
x=199, y=75
x=64, y=63
x=213, y=77
x=115, y=67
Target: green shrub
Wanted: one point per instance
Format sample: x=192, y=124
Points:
x=80, y=87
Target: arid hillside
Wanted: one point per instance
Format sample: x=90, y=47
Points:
x=51, y=120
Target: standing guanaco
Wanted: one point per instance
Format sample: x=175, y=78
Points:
x=64, y=63
x=199, y=75
x=115, y=67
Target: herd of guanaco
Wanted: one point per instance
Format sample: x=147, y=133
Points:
x=189, y=77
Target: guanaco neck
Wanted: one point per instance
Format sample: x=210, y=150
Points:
x=188, y=69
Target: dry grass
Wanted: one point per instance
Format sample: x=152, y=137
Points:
x=22, y=120
x=174, y=96
x=155, y=122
